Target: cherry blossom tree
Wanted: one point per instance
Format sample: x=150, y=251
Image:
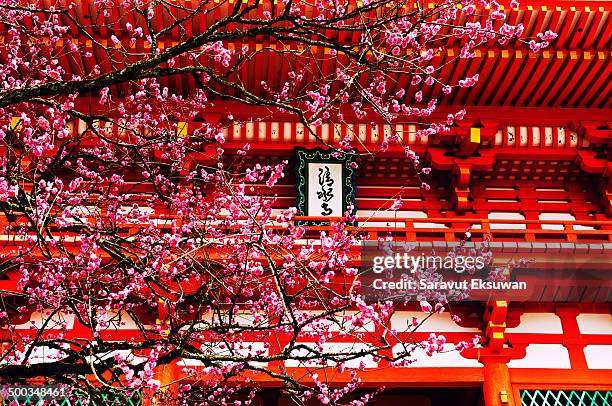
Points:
x=113, y=216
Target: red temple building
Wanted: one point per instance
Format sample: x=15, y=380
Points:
x=530, y=168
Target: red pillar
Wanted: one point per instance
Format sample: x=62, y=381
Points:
x=497, y=388
x=168, y=376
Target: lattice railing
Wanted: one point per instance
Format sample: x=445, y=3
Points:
x=566, y=398
x=107, y=400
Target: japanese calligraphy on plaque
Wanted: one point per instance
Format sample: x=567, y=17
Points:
x=325, y=184
x=325, y=189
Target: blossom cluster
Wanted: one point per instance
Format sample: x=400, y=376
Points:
x=129, y=208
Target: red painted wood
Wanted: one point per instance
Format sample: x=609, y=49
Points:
x=497, y=382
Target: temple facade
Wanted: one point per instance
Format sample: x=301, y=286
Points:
x=529, y=170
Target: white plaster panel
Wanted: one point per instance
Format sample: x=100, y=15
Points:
x=338, y=322
x=411, y=134
x=186, y=362
x=598, y=356
x=555, y=216
x=366, y=217
x=287, y=131
x=325, y=132
x=523, y=136
x=337, y=129
x=37, y=319
x=119, y=321
x=128, y=356
x=243, y=350
x=548, y=136
x=506, y=216
x=553, y=356
x=538, y=323
x=44, y=354
x=291, y=362
x=350, y=348
x=448, y=358
x=439, y=323
x=250, y=130
x=332, y=348
x=274, y=131
x=592, y=323
x=511, y=135
x=243, y=319
x=535, y=132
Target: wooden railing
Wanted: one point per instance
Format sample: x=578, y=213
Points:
x=453, y=228
x=421, y=229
